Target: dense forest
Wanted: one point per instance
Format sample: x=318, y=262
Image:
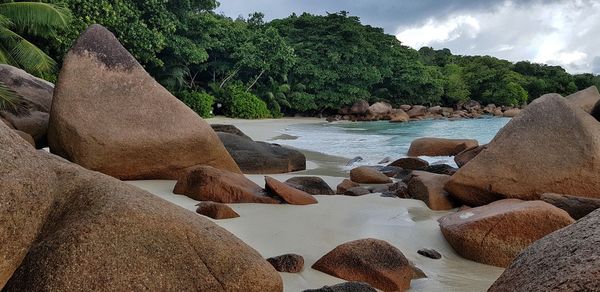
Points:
x=250, y=68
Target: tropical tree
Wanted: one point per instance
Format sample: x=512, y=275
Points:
x=35, y=19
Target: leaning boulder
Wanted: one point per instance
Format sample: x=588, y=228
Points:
x=254, y=157
x=429, y=188
x=109, y=115
x=566, y=260
x=585, y=99
x=206, y=183
x=373, y=261
x=70, y=229
x=494, y=234
x=287, y=193
x=577, y=207
x=440, y=146
x=553, y=147
x=35, y=101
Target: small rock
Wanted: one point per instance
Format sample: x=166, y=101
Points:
x=368, y=175
x=357, y=191
x=345, y=287
x=287, y=263
x=354, y=160
x=441, y=169
x=289, y=194
x=216, y=210
x=313, y=185
x=430, y=253
x=385, y=160
x=397, y=189
x=411, y=163
x=345, y=185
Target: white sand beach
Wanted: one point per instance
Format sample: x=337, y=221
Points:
x=314, y=230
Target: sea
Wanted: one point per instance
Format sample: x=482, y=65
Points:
x=376, y=141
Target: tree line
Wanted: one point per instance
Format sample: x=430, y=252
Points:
x=249, y=68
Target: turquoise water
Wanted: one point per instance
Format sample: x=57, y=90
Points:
x=373, y=141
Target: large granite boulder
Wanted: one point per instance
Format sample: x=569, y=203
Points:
x=110, y=116
x=429, y=188
x=65, y=228
x=439, y=146
x=566, y=260
x=553, y=147
x=494, y=234
x=368, y=260
x=206, y=183
x=35, y=101
x=585, y=99
x=254, y=157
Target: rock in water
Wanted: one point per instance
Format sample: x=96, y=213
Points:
x=109, y=115
x=216, y=210
x=36, y=97
x=553, y=147
x=70, y=229
x=206, y=183
x=289, y=194
x=585, y=99
x=494, y=234
x=255, y=157
x=566, y=260
x=287, y=263
x=440, y=146
x=368, y=260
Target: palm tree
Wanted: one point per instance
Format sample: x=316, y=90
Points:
x=31, y=18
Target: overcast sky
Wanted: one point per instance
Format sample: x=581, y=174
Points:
x=556, y=32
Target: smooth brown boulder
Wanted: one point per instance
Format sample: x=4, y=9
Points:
x=399, y=116
x=368, y=175
x=566, y=260
x=372, y=261
x=429, y=188
x=494, y=234
x=109, y=115
x=380, y=109
x=287, y=263
x=553, y=147
x=216, y=210
x=313, y=185
x=206, y=183
x=255, y=157
x=468, y=154
x=412, y=163
x=577, y=207
x=35, y=100
x=439, y=146
x=289, y=194
x=66, y=228
x=585, y=99
x=345, y=185
x=417, y=111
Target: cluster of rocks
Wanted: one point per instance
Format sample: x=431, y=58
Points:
x=362, y=111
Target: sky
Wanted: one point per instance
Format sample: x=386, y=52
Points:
x=555, y=32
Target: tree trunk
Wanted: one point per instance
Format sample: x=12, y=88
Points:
x=228, y=77
x=256, y=80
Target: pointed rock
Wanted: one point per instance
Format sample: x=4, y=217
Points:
x=289, y=194
x=553, y=147
x=109, y=115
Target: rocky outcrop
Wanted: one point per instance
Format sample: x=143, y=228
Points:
x=368, y=175
x=439, y=146
x=411, y=163
x=585, y=99
x=255, y=157
x=206, y=183
x=313, y=185
x=373, y=261
x=429, y=188
x=494, y=234
x=468, y=154
x=70, y=229
x=287, y=263
x=566, y=260
x=34, y=104
x=553, y=147
x=109, y=115
x=216, y=210
x=287, y=193
x=577, y=207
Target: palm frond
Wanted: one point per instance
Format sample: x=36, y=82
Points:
x=5, y=21
x=36, y=18
x=25, y=54
x=9, y=100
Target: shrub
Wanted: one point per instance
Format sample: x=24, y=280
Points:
x=245, y=105
x=200, y=102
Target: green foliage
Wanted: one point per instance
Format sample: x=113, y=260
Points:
x=200, y=102
x=242, y=104
x=455, y=88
